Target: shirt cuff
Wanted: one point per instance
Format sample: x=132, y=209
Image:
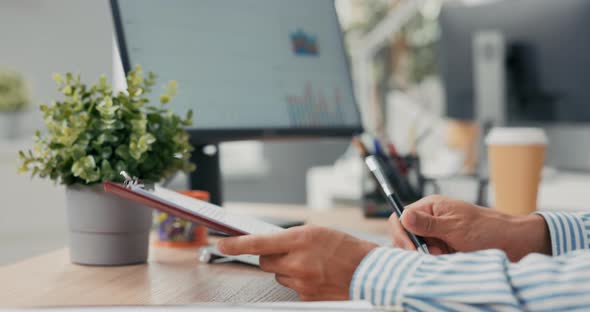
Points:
x=567, y=232
x=383, y=276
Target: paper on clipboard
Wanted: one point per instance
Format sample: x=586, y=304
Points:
x=192, y=209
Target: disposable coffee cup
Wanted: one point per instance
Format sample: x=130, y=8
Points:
x=516, y=157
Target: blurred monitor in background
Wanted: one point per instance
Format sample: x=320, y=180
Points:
x=545, y=66
x=251, y=69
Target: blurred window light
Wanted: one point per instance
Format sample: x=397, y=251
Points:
x=431, y=9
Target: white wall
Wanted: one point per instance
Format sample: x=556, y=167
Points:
x=38, y=38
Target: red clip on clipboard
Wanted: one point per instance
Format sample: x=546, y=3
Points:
x=191, y=209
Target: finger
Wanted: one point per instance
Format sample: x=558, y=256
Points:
x=435, y=250
x=422, y=223
x=403, y=243
x=438, y=247
x=266, y=244
x=400, y=237
x=424, y=204
x=285, y=280
x=274, y=264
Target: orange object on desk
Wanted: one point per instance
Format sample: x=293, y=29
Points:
x=200, y=232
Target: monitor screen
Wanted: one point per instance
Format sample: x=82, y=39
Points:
x=547, y=58
x=244, y=64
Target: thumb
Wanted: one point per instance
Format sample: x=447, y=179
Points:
x=422, y=224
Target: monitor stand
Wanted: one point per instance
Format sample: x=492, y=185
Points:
x=207, y=176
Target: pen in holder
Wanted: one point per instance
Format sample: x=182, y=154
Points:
x=404, y=175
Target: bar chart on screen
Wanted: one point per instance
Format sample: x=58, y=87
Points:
x=314, y=106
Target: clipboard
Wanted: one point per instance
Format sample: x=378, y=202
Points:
x=188, y=208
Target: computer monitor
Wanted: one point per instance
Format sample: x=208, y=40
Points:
x=249, y=69
x=547, y=58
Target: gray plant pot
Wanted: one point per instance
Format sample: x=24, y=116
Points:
x=104, y=229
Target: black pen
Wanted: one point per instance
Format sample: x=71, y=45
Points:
x=374, y=166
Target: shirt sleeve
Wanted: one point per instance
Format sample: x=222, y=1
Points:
x=568, y=231
x=478, y=281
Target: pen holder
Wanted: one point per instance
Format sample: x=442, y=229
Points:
x=404, y=175
x=175, y=232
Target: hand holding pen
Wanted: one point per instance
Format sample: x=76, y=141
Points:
x=392, y=199
x=374, y=165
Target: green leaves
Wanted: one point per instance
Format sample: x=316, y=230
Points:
x=106, y=108
x=85, y=168
x=169, y=92
x=140, y=144
x=14, y=95
x=92, y=133
x=188, y=121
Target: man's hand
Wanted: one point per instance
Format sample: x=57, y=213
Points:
x=318, y=263
x=450, y=225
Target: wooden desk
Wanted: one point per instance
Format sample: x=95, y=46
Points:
x=172, y=276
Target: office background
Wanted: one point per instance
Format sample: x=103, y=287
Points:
x=40, y=37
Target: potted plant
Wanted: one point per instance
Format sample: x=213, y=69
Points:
x=14, y=99
x=92, y=135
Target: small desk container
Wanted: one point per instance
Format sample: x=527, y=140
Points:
x=176, y=232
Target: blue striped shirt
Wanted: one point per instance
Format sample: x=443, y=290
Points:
x=484, y=280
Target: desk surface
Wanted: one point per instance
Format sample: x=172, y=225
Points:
x=171, y=276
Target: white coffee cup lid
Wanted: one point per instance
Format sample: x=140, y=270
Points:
x=516, y=136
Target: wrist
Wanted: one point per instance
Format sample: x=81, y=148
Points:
x=529, y=235
x=355, y=250
x=362, y=250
